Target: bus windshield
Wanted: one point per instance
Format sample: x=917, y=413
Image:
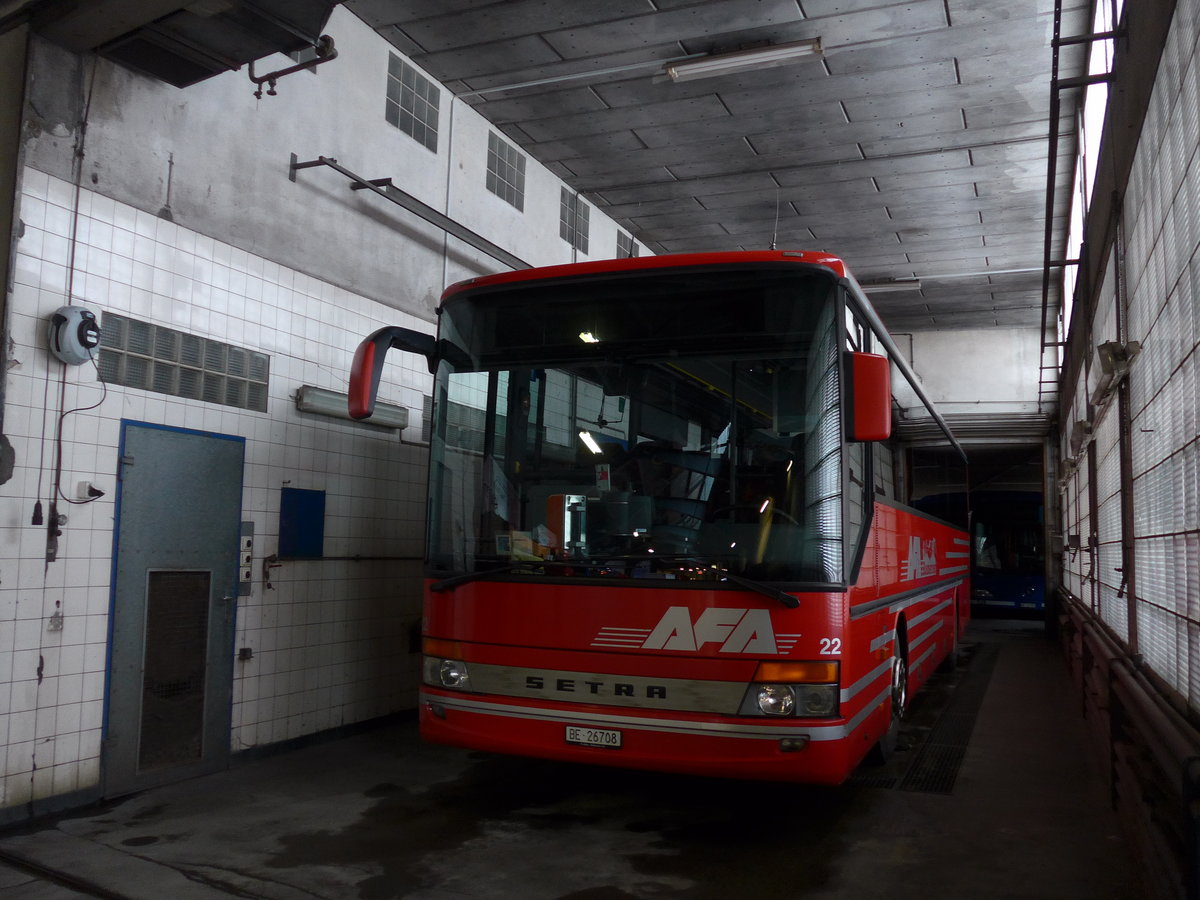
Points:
x=683, y=427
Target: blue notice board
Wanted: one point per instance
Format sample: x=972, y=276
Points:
x=301, y=523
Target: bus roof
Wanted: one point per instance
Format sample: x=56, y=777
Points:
x=664, y=261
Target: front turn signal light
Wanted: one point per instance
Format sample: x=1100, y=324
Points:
x=825, y=672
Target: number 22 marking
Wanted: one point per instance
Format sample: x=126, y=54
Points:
x=831, y=646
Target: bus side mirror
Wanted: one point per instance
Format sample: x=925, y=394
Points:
x=869, y=391
x=368, y=363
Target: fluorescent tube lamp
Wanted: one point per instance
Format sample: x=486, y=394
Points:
x=317, y=400
x=742, y=60
x=890, y=285
x=589, y=441
x=588, y=338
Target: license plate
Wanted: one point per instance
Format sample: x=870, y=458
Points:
x=593, y=737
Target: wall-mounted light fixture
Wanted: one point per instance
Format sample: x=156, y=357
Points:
x=1081, y=435
x=1110, y=365
x=317, y=400
x=742, y=60
x=890, y=285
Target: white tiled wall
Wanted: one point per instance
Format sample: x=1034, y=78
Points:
x=329, y=638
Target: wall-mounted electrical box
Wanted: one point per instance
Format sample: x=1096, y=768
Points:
x=246, y=560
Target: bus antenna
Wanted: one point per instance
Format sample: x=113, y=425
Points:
x=775, y=233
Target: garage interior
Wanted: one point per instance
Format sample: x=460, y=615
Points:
x=1013, y=185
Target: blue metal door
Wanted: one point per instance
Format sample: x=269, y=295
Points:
x=174, y=597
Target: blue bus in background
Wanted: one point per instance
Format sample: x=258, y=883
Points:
x=1008, y=553
x=1008, y=548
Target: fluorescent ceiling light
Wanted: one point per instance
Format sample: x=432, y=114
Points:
x=742, y=60
x=890, y=285
x=317, y=400
x=589, y=441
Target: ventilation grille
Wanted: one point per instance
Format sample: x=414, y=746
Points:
x=153, y=358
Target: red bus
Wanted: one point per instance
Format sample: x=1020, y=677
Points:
x=669, y=524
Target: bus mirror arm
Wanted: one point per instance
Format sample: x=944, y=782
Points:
x=368, y=363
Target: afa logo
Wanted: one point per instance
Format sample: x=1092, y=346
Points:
x=922, y=559
x=736, y=630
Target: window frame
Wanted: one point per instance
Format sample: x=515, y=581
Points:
x=503, y=160
x=404, y=81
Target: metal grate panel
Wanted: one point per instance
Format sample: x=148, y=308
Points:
x=935, y=768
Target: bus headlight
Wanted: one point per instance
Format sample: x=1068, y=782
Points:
x=816, y=700
x=776, y=699
x=796, y=689
x=447, y=673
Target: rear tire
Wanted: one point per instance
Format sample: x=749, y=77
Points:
x=949, y=665
x=885, y=748
x=900, y=682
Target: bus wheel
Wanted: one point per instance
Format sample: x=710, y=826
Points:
x=886, y=746
x=899, y=683
x=949, y=665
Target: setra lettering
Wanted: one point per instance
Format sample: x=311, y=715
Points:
x=598, y=688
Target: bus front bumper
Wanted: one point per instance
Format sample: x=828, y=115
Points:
x=810, y=751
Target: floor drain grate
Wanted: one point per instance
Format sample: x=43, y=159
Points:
x=935, y=768
x=886, y=781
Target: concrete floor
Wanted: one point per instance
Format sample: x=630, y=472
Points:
x=380, y=815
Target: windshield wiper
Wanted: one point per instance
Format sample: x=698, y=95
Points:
x=467, y=577
x=750, y=584
x=741, y=581
x=454, y=581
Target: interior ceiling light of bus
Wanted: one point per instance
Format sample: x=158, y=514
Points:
x=742, y=60
x=590, y=442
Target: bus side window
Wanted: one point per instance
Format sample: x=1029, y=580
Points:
x=858, y=457
x=856, y=491
x=884, y=469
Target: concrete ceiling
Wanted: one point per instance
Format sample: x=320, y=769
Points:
x=915, y=146
x=180, y=42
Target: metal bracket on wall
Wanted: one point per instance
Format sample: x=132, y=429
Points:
x=384, y=188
